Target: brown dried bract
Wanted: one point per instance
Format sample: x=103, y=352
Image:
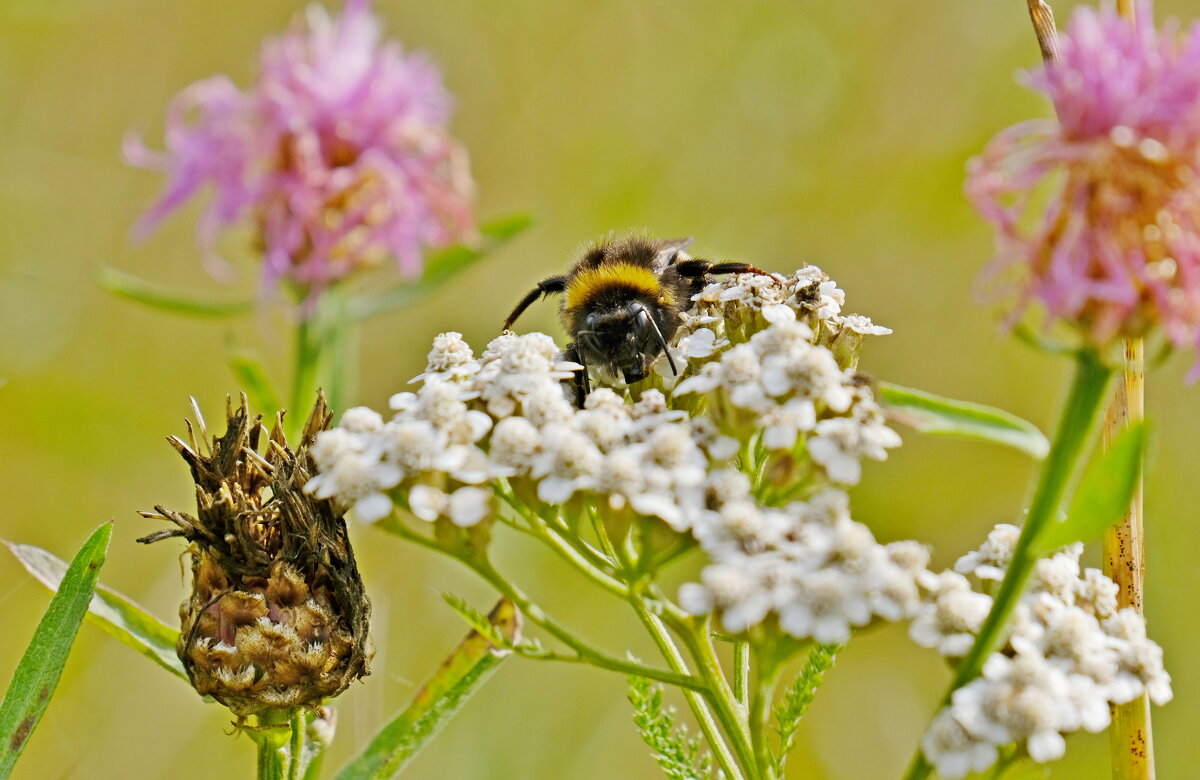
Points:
x=278, y=616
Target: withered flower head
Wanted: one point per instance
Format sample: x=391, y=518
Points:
x=277, y=616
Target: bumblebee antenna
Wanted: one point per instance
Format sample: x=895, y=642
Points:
x=641, y=309
x=551, y=284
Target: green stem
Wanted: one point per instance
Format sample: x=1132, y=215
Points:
x=296, y=757
x=586, y=652
x=696, y=701
x=716, y=690
x=741, y=670
x=270, y=734
x=732, y=715
x=1086, y=398
x=582, y=559
x=1007, y=760
x=760, y=714
x=336, y=344
x=304, y=372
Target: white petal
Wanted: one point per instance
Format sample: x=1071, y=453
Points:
x=777, y=313
x=372, y=508
x=1046, y=746
x=469, y=505
x=426, y=502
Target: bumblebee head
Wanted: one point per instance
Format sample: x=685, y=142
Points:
x=625, y=340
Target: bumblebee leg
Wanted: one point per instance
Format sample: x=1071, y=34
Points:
x=697, y=267
x=551, y=284
x=580, y=381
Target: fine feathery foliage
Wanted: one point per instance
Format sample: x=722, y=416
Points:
x=677, y=754
x=37, y=674
x=478, y=621
x=795, y=702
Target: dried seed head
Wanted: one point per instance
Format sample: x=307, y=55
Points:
x=277, y=616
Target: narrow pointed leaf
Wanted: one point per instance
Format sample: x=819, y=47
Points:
x=1103, y=495
x=441, y=267
x=252, y=377
x=938, y=416
x=37, y=674
x=111, y=611
x=134, y=288
x=460, y=675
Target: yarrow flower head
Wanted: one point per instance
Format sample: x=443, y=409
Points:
x=338, y=155
x=507, y=415
x=1071, y=653
x=765, y=373
x=1116, y=251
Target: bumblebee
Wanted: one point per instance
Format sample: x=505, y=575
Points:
x=623, y=301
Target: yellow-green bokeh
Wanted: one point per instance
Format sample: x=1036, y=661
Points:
x=775, y=132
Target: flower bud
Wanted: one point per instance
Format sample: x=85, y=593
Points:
x=277, y=617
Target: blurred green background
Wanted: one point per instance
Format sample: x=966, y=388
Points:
x=832, y=133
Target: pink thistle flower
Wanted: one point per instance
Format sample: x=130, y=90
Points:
x=338, y=155
x=1116, y=251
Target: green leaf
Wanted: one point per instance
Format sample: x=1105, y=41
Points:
x=441, y=268
x=460, y=675
x=252, y=377
x=677, y=755
x=938, y=416
x=37, y=674
x=1103, y=494
x=111, y=611
x=792, y=708
x=134, y=288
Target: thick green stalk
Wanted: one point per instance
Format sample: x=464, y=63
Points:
x=336, y=346
x=296, y=750
x=304, y=372
x=271, y=735
x=1084, y=402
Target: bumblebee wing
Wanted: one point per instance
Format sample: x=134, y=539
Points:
x=669, y=251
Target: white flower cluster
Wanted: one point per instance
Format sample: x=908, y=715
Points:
x=731, y=309
x=783, y=384
x=1070, y=654
x=505, y=415
x=808, y=564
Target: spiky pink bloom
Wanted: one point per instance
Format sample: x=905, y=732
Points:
x=1097, y=214
x=338, y=155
